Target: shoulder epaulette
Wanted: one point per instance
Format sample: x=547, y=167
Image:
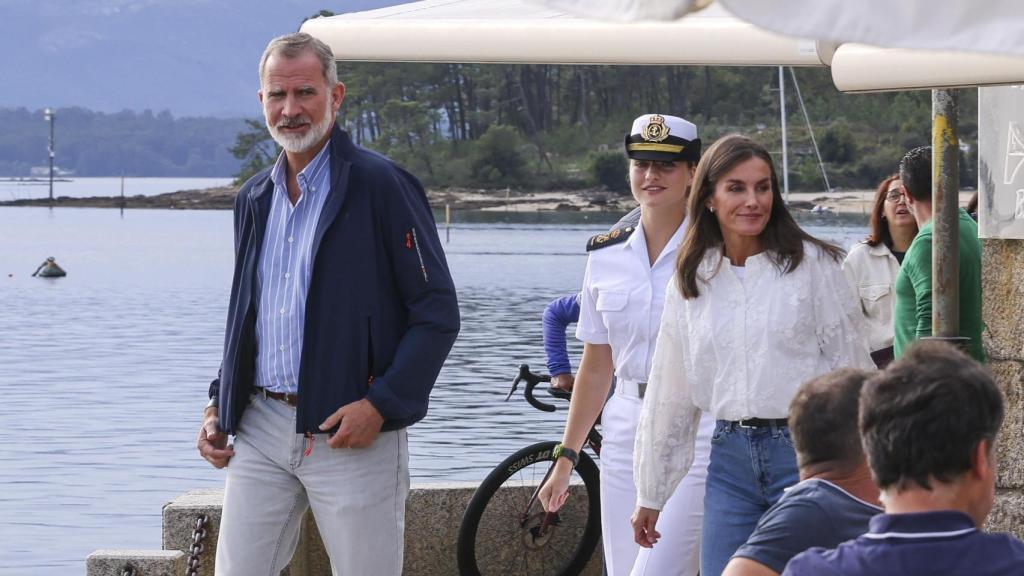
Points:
x=610, y=238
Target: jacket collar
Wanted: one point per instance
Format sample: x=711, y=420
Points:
x=921, y=525
x=340, y=145
x=879, y=249
x=343, y=152
x=638, y=242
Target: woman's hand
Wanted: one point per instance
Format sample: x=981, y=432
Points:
x=555, y=490
x=644, y=520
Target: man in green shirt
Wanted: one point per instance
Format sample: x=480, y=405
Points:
x=912, y=316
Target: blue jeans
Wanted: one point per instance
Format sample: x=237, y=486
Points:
x=748, y=471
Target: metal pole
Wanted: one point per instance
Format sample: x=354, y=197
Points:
x=814, y=141
x=945, y=212
x=782, y=114
x=50, y=115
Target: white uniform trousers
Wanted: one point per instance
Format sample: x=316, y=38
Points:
x=357, y=497
x=677, y=553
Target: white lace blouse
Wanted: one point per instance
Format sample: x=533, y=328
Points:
x=740, y=350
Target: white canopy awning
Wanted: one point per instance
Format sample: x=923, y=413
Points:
x=514, y=31
x=519, y=31
x=860, y=68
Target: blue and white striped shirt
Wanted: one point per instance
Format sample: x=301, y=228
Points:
x=284, y=272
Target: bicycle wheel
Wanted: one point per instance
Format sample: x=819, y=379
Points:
x=501, y=529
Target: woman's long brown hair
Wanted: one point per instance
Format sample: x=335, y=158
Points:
x=782, y=237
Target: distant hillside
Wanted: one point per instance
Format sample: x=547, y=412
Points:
x=191, y=57
x=130, y=143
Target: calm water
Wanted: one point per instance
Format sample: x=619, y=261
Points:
x=103, y=374
x=85, y=187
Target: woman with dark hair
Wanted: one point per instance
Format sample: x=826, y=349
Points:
x=872, y=265
x=757, y=306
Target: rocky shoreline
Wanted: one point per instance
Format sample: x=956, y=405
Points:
x=851, y=202
x=222, y=198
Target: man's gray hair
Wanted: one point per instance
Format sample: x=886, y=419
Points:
x=295, y=45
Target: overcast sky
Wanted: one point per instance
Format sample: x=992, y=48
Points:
x=191, y=57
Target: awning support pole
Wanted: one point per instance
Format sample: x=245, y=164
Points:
x=945, y=207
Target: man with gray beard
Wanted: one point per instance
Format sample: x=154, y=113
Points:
x=342, y=312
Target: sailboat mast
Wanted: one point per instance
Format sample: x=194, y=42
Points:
x=814, y=141
x=782, y=114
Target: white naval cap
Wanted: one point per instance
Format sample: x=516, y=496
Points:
x=661, y=137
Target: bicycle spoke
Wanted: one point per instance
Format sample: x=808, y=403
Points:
x=507, y=526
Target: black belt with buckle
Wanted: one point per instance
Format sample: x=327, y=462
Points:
x=289, y=399
x=762, y=422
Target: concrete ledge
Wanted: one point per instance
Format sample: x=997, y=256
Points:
x=433, y=514
x=179, y=523
x=141, y=563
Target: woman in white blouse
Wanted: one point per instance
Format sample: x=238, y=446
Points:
x=756, y=307
x=620, y=310
x=872, y=265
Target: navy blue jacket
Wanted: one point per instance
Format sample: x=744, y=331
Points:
x=381, y=312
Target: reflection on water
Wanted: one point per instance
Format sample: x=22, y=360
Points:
x=104, y=373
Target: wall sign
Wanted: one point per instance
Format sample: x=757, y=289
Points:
x=1001, y=162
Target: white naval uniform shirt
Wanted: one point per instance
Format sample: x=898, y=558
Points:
x=740, y=350
x=622, y=299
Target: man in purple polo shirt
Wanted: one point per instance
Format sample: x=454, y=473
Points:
x=928, y=423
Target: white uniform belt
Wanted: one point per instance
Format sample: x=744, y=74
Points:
x=630, y=388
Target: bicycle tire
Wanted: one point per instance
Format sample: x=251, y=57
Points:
x=494, y=540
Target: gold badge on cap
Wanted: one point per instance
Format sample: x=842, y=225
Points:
x=656, y=130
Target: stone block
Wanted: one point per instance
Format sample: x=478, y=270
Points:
x=1003, y=303
x=135, y=562
x=1010, y=445
x=433, y=514
x=179, y=523
x=1002, y=280
x=1007, y=513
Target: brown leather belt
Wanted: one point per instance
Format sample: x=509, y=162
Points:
x=289, y=399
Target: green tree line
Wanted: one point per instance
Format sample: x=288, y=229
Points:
x=561, y=127
x=130, y=143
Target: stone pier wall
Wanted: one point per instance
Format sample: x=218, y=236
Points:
x=433, y=514
x=1003, y=286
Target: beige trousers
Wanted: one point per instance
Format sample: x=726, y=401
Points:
x=357, y=498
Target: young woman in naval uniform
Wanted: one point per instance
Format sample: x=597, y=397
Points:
x=623, y=293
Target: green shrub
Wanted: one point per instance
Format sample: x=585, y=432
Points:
x=610, y=170
x=838, y=144
x=497, y=157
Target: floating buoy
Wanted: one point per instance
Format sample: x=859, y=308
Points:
x=49, y=269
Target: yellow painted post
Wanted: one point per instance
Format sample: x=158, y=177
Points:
x=945, y=212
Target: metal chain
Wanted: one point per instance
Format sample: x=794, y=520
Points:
x=196, y=547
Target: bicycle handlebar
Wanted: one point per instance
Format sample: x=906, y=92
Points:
x=531, y=382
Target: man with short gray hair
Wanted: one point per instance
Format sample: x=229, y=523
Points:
x=342, y=312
